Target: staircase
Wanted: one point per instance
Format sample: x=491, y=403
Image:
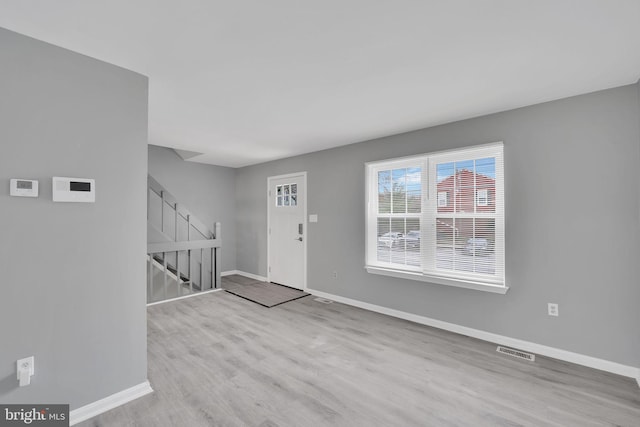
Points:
x=183, y=253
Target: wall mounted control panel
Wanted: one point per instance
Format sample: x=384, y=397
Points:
x=81, y=190
x=23, y=188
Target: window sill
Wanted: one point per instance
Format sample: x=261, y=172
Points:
x=459, y=283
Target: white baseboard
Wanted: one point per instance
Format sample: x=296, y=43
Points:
x=195, y=294
x=245, y=274
x=229, y=273
x=543, y=350
x=103, y=405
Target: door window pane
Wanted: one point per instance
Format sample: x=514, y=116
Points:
x=287, y=195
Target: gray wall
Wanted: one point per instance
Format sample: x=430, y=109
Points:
x=572, y=187
x=207, y=191
x=73, y=275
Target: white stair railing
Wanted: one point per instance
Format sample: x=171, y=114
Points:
x=186, y=256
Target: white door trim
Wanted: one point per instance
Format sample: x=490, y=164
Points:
x=303, y=174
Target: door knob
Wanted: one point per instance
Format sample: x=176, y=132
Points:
x=298, y=238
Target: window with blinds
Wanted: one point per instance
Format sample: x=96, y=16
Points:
x=398, y=213
x=439, y=215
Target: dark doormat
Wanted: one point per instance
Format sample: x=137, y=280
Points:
x=263, y=293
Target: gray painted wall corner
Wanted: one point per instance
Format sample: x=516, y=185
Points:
x=638, y=160
x=73, y=291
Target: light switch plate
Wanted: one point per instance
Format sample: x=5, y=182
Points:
x=313, y=218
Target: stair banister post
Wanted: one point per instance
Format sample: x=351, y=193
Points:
x=148, y=201
x=175, y=231
x=178, y=281
x=150, y=275
x=202, y=276
x=189, y=253
x=162, y=211
x=164, y=266
x=217, y=265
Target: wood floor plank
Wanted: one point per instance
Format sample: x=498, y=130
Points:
x=219, y=360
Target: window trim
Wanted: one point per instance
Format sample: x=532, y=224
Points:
x=372, y=194
x=439, y=280
x=426, y=273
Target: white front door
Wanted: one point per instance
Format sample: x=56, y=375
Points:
x=287, y=229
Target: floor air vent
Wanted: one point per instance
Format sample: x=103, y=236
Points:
x=323, y=300
x=516, y=353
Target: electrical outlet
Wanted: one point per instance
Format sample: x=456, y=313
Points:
x=553, y=309
x=25, y=370
x=26, y=363
x=334, y=275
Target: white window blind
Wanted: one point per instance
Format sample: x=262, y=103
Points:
x=439, y=215
x=396, y=219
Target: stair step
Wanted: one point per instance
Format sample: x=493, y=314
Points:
x=172, y=269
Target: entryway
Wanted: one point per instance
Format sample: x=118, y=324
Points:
x=287, y=230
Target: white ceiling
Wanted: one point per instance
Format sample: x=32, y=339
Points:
x=247, y=81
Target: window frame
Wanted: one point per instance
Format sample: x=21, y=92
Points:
x=485, y=198
x=445, y=198
x=428, y=272
x=372, y=226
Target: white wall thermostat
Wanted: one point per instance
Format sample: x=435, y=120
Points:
x=81, y=190
x=24, y=188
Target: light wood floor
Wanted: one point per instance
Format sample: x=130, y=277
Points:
x=263, y=293
x=219, y=360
